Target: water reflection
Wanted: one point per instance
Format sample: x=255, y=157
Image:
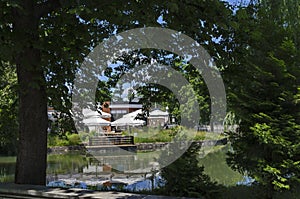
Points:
x=74, y=168
x=7, y=169
x=99, y=172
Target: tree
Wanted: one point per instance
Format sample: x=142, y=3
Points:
x=151, y=93
x=185, y=177
x=47, y=41
x=264, y=94
x=32, y=34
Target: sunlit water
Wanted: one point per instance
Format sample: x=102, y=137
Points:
x=118, y=172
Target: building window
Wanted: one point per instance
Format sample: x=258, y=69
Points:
x=118, y=111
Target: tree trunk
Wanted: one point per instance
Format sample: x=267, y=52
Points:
x=33, y=121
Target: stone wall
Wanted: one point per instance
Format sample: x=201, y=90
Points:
x=60, y=149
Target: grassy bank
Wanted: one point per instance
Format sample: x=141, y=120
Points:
x=151, y=135
x=141, y=135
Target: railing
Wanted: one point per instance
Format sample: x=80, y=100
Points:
x=111, y=140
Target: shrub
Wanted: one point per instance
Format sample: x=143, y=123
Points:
x=73, y=139
x=68, y=140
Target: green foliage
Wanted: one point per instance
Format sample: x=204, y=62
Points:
x=150, y=135
x=185, y=177
x=8, y=109
x=215, y=166
x=61, y=124
x=56, y=141
x=7, y=178
x=73, y=139
x=263, y=88
x=67, y=140
x=66, y=163
x=64, y=32
x=197, y=88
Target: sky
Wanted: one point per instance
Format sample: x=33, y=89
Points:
x=161, y=21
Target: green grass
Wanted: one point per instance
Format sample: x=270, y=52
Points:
x=7, y=178
x=8, y=159
x=68, y=140
x=151, y=135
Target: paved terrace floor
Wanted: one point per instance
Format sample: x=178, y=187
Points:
x=10, y=190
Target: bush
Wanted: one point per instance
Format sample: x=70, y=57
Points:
x=68, y=140
x=73, y=139
x=185, y=177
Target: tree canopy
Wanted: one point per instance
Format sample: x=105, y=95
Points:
x=255, y=46
x=264, y=93
x=47, y=41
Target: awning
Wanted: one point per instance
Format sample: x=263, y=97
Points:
x=128, y=121
x=95, y=121
x=89, y=113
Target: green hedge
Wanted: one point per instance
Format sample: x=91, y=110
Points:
x=67, y=140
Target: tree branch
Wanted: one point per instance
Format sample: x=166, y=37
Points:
x=44, y=8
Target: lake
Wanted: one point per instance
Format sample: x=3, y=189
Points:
x=132, y=170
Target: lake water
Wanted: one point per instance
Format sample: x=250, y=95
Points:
x=75, y=169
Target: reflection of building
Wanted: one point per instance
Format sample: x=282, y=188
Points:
x=158, y=118
x=104, y=163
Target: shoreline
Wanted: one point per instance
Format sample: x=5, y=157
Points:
x=141, y=147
